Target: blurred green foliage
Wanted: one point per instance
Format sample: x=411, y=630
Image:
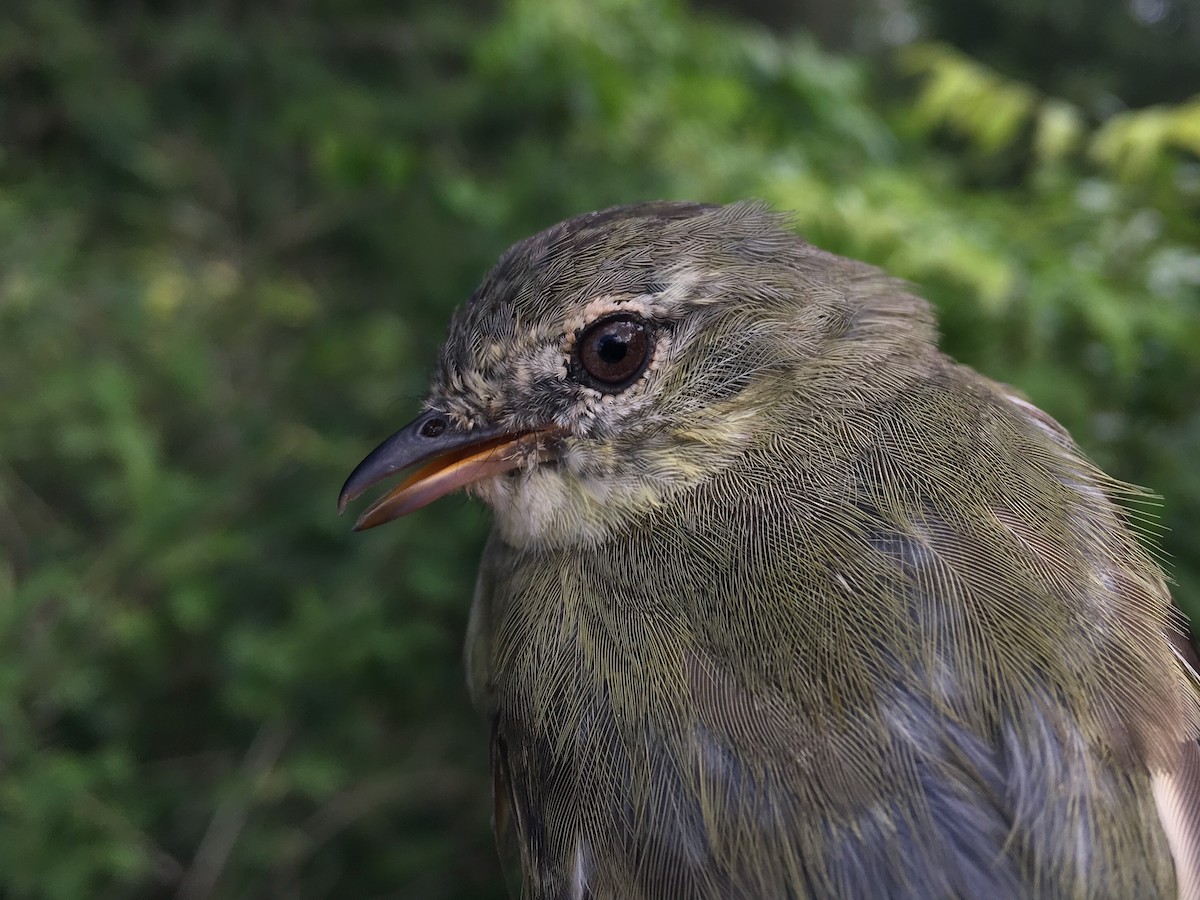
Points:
x=230, y=236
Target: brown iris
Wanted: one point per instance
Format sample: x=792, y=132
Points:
x=611, y=353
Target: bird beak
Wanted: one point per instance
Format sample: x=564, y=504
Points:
x=448, y=458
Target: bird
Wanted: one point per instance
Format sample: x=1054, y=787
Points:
x=779, y=600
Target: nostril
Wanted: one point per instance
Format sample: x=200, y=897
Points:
x=433, y=428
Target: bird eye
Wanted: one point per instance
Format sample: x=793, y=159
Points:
x=612, y=352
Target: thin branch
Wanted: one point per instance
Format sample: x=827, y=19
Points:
x=230, y=817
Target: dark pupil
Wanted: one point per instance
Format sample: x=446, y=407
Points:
x=612, y=348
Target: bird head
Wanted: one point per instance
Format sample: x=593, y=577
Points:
x=623, y=356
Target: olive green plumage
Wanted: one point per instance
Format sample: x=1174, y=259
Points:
x=801, y=607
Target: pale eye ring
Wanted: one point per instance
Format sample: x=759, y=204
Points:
x=613, y=352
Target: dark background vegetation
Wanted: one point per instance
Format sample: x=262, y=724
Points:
x=230, y=237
